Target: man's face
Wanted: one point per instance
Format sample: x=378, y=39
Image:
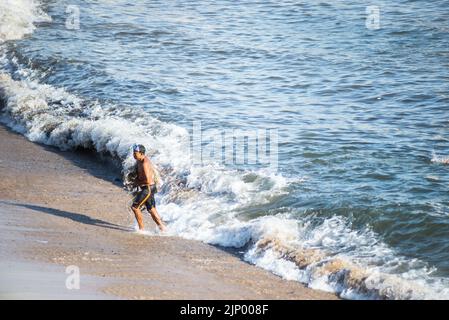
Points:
x=137, y=155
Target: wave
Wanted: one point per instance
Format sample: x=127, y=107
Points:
x=204, y=202
x=370, y=272
x=439, y=159
x=18, y=18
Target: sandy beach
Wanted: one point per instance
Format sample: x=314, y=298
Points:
x=60, y=208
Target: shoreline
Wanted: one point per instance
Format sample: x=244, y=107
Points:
x=61, y=208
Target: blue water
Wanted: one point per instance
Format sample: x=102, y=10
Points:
x=362, y=114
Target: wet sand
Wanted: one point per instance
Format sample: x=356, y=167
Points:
x=59, y=209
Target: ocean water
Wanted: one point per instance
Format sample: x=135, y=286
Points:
x=359, y=204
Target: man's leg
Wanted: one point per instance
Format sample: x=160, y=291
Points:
x=157, y=218
x=140, y=199
x=138, y=215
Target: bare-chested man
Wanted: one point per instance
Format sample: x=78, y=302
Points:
x=145, y=182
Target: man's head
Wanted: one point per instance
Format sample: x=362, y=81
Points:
x=138, y=152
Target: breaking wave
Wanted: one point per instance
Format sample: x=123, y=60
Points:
x=18, y=18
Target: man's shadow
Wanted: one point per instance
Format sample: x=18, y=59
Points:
x=77, y=217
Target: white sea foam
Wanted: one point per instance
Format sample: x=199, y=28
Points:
x=202, y=203
x=321, y=257
x=18, y=18
x=440, y=159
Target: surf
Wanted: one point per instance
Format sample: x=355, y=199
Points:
x=19, y=17
x=205, y=203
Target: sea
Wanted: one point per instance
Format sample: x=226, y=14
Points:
x=354, y=96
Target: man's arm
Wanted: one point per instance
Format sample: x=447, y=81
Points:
x=137, y=181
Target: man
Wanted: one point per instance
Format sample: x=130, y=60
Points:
x=147, y=185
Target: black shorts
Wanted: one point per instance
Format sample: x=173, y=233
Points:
x=145, y=197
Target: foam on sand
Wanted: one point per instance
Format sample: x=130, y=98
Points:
x=203, y=202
